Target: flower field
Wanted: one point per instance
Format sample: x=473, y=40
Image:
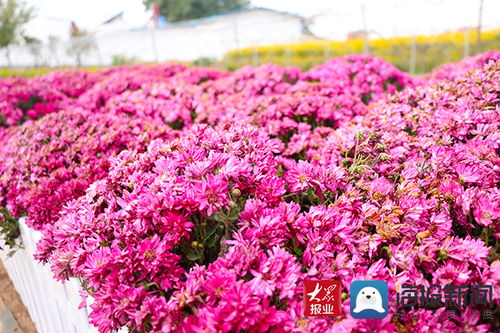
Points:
x=190, y=199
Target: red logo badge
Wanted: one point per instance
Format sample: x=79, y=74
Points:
x=322, y=298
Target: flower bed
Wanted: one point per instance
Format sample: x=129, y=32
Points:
x=206, y=198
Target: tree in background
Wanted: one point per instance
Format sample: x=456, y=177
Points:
x=53, y=46
x=180, y=10
x=81, y=42
x=13, y=15
x=35, y=47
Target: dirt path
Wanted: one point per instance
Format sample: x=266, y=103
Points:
x=10, y=297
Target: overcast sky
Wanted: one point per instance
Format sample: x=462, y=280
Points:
x=333, y=18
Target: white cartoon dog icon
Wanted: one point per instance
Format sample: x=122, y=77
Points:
x=369, y=298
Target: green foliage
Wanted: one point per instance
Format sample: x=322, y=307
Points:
x=120, y=59
x=13, y=15
x=180, y=10
x=204, y=61
x=207, y=241
x=9, y=230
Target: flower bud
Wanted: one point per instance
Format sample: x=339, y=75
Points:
x=236, y=192
x=443, y=254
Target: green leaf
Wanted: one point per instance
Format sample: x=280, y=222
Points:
x=193, y=256
x=211, y=229
x=211, y=242
x=279, y=173
x=219, y=216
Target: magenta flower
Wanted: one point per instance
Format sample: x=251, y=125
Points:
x=211, y=194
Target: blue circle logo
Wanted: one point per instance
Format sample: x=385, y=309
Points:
x=369, y=299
